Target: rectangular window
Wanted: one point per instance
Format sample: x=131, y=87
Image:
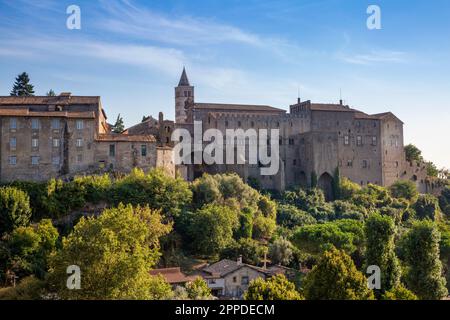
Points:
x=80, y=125
x=55, y=160
x=55, y=143
x=13, y=123
x=35, y=125
x=143, y=150
x=350, y=163
x=364, y=164
x=55, y=124
x=35, y=160
x=34, y=143
x=13, y=160
x=244, y=280
x=374, y=140
x=13, y=143
x=80, y=158
x=79, y=143
x=359, y=141
x=112, y=150
x=346, y=140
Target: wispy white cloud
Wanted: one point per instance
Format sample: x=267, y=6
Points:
x=373, y=57
x=123, y=17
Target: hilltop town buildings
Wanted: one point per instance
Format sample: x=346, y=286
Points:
x=66, y=135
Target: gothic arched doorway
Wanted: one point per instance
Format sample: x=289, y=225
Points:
x=326, y=184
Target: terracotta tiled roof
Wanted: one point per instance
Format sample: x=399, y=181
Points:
x=44, y=100
x=172, y=275
x=117, y=137
x=237, y=107
x=60, y=114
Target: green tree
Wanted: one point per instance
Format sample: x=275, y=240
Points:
x=348, y=210
x=348, y=188
x=15, y=209
x=421, y=250
x=380, y=233
x=280, y=251
x=50, y=93
x=29, y=288
x=337, y=184
x=275, y=288
x=404, y=189
x=159, y=288
x=22, y=86
x=250, y=250
x=291, y=217
x=246, y=217
x=114, y=251
x=211, y=228
x=432, y=170
x=198, y=290
x=311, y=201
x=206, y=189
x=444, y=201
x=427, y=207
x=399, y=293
x=335, y=277
x=118, y=126
x=263, y=227
x=155, y=189
x=313, y=179
x=26, y=250
x=413, y=153
x=347, y=235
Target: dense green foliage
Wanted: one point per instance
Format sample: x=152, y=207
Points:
x=14, y=209
x=424, y=274
x=116, y=225
x=335, y=277
x=427, y=207
x=444, y=201
x=404, y=189
x=399, y=293
x=380, y=233
x=275, y=288
x=26, y=250
x=347, y=235
x=114, y=251
x=413, y=153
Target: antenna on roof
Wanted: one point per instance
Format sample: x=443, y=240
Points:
x=340, y=96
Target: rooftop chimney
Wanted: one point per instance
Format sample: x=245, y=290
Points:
x=340, y=102
x=239, y=260
x=298, y=100
x=65, y=94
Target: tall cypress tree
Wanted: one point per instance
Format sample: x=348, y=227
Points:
x=424, y=275
x=22, y=87
x=380, y=234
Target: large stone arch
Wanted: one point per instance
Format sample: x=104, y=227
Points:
x=325, y=183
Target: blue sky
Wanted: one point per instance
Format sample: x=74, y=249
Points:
x=131, y=53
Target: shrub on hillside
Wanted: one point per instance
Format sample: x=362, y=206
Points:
x=15, y=209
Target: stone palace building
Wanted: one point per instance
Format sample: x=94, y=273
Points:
x=66, y=135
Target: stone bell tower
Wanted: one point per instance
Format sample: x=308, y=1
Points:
x=183, y=92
